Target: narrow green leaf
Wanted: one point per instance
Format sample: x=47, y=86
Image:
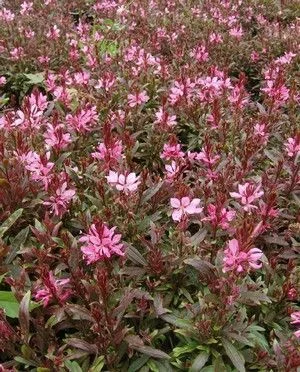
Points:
x=37, y=78
x=151, y=351
x=98, y=364
x=16, y=244
x=24, y=315
x=197, y=238
x=177, y=351
x=138, y=363
x=234, y=354
x=148, y=194
x=10, y=221
x=73, y=366
x=199, y=362
x=178, y=322
x=9, y=303
x=134, y=255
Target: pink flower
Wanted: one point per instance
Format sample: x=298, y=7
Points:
x=296, y=320
x=111, y=153
x=56, y=138
x=2, y=80
x=277, y=91
x=260, y=131
x=172, y=152
x=292, y=146
x=215, y=38
x=83, y=119
x=126, y=183
x=81, y=78
x=184, y=206
x=248, y=194
x=39, y=167
x=106, y=83
x=101, y=243
x=239, y=261
x=137, y=98
x=200, y=53
x=295, y=317
x=59, y=202
x=53, y=33
x=172, y=170
x=6, y=15
x=206, y=156
x=254, y=56
x=180, y=90
x=286, y=59
x=297, y=333
x=53, y=289
x=26, y=7
x=164, y=119
x=236, y=32
x=219, y=216
x=43, y=59
x=17, y=53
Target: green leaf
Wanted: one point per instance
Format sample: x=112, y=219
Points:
x=151, y=351
x=60, y=161
x=148, y=194
x=199, y=362
x=234, y=355
x=9, y=303
x=254, y=298
x=197, y=238
x=10, y=221
x=134, y=255
x=98, y=364
x=2, y=277
x=163, y=366
x=95, y=201
x=16, y=244
x=24, y=315
x=39, y=226
x=73, y=366
x=108, y=47
x=138, y=363
x=209, y=369
x=177, y=351
x=178, y=322
x=152, y=365
x=27, y=362
x=34, y=79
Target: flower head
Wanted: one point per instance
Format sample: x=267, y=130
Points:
x=60, y=200
x=126, y=183
x=137, y=98
x=219, y=216
x=100, y=243
x=292, y=146
x=239, y=261
x=172, y=151
x=184, y=206
x=296, y=320
x=53, y=288
x=248, y=194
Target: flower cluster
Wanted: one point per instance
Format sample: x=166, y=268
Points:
x=237, y=260
x=101, y=243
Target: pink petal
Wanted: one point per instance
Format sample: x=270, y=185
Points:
x=177, y=215
x=175, y=203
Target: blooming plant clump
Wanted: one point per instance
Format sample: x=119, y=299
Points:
x=149, y=185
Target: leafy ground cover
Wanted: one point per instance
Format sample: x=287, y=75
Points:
x=149, y=185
